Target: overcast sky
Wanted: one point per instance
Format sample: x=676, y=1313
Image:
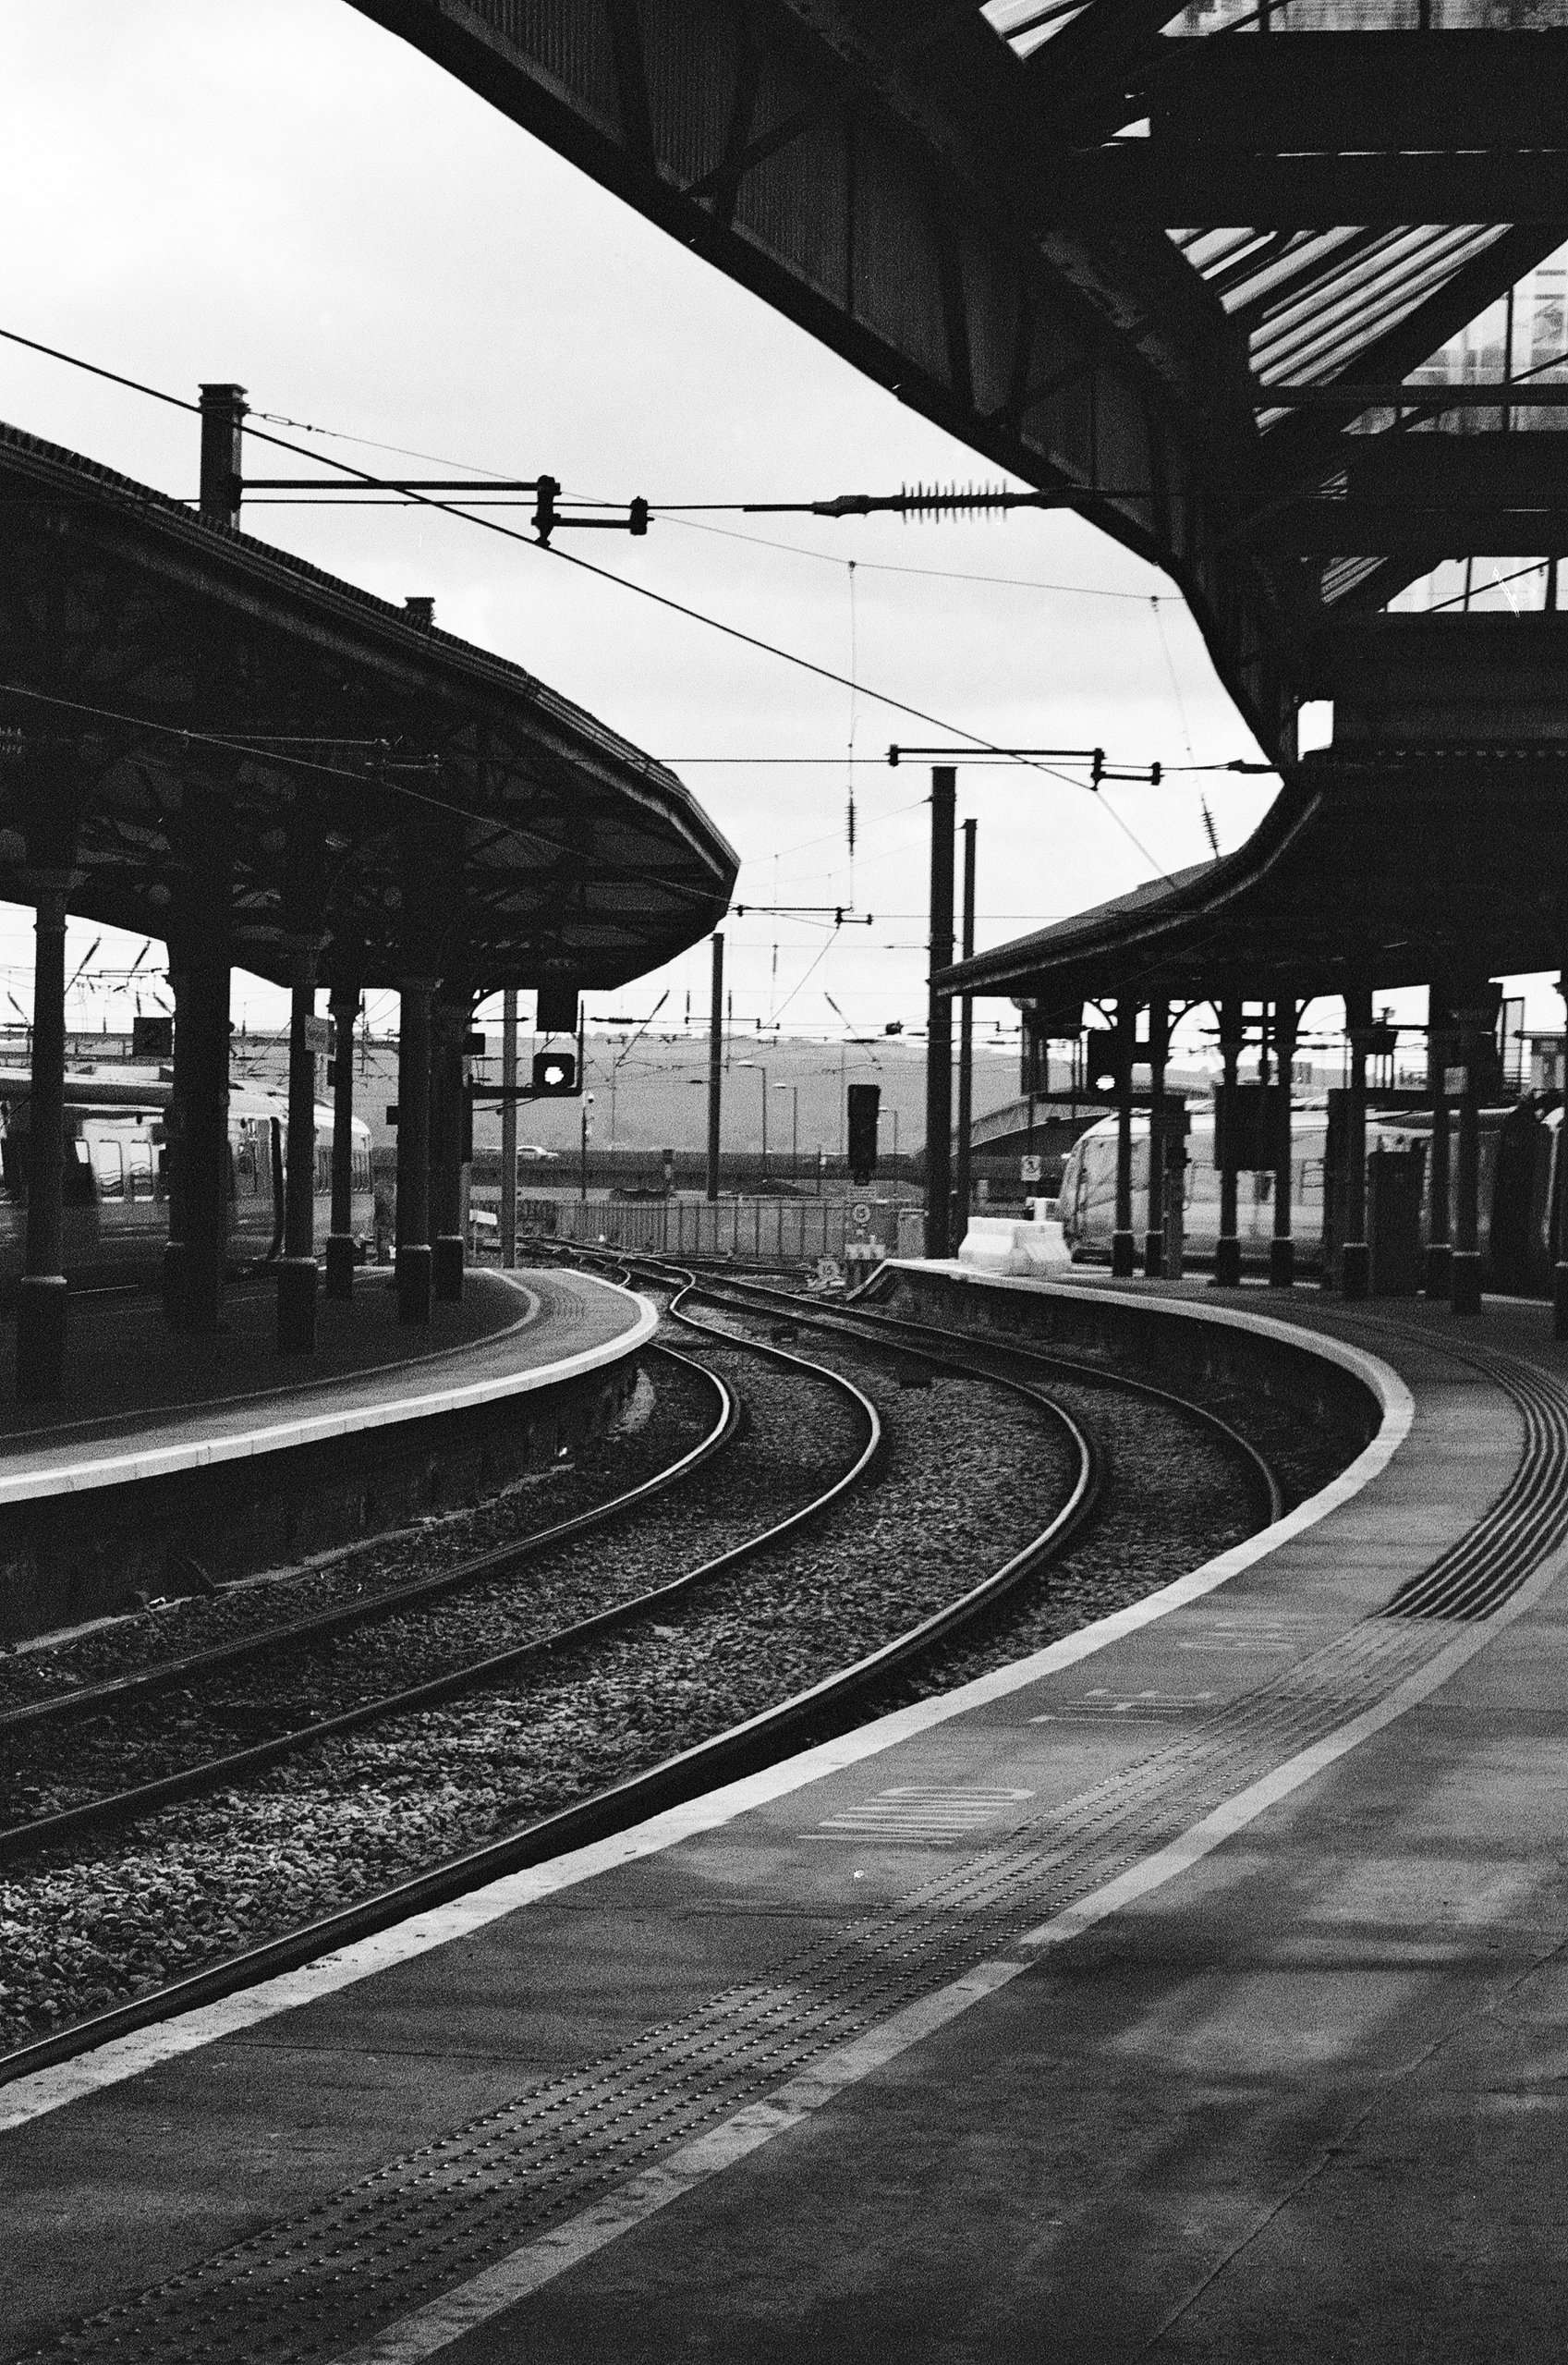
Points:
x=288, y=196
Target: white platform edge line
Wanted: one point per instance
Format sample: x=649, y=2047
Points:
x=132, y=2055
x=117, y=1470
x=437, y=2326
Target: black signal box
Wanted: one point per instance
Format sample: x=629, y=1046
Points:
x=555, y=1012
x=554, y=1075
x=1104, y=1063
x=151, y=1038
x=864, y=1102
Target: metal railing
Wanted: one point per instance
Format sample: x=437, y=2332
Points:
x=754, y=1231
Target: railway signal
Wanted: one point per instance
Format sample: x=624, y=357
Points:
x=864, y=1102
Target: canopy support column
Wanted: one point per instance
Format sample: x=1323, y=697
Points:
x=1123, y=1245
x=966, y=1049
x=446, y=1149
x=173, y=1278
x=1282, y=1247
x=1465, y=1275
x=342, y=1248
x=1439, y=1049
x=509, y=1128
x=198, y=1165
x=203, y=1151
x=1356, y=1255
x=41, y=1299
x=297, y=1267
x=939, y=1017
x=716, y=1065
x=1227, y=1248
x=1159, y=1046
x=413, y=1150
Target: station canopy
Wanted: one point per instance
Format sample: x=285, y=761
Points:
x=169, y=661
x=1391, y=868
x=1273, y=291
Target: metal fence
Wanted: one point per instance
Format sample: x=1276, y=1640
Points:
x=757, y=1231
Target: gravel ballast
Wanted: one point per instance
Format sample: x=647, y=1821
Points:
x=969, y=1476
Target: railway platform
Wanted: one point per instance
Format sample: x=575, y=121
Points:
x=188, y=1459
x=1192, y=1989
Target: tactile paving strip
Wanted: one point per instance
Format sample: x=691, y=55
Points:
x=1529, y=1518
x=323, y=2281
x=313, y=2285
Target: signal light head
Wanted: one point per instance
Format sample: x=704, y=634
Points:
x=554, y=1075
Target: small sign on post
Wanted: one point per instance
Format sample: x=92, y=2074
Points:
x=1028, y=1170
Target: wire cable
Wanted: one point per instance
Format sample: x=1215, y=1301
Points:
x=177, y=402
x=604, y=574
x=888, y=567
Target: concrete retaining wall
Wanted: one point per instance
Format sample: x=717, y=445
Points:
x=68, y=1557
x=1165, y=1340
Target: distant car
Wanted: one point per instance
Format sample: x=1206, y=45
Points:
x=532, y=1149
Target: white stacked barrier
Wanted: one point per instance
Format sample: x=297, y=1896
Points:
x=1002, y=1244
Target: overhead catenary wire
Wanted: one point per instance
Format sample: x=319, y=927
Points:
x=660, y=599
x=891, y=567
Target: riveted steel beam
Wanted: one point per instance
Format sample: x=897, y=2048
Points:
x=1171, y=183
x=1339, y=92
x=881, y=175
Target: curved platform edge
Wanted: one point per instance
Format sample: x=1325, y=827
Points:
x=1380, y=1379
x=128, y=2057
x=136, y=1466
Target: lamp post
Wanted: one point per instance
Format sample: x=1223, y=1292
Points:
x=761, y=1070
x=794, y=1092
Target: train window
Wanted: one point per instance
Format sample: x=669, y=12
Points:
x=76, y=1181
x=139, y=1169
x=106, y=1166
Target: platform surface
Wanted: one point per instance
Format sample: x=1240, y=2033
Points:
x=140, y=1399
x=1198, y=1989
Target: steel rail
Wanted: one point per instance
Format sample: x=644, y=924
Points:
x=814, y=1713
x=118, y=1806
x=855, y=1322
x=140, y=1682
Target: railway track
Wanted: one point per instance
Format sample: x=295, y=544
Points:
x=935, y=1344
x=817, y=1708
x=214, y=1773
x=386, y=1602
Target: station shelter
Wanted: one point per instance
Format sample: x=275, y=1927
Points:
x=208, y=742
x=1422, y=848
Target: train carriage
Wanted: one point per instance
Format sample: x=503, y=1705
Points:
x=1519, y=1149
x=115, y=1211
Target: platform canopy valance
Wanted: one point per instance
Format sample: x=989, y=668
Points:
x=1386, y=865
x=184, y=687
